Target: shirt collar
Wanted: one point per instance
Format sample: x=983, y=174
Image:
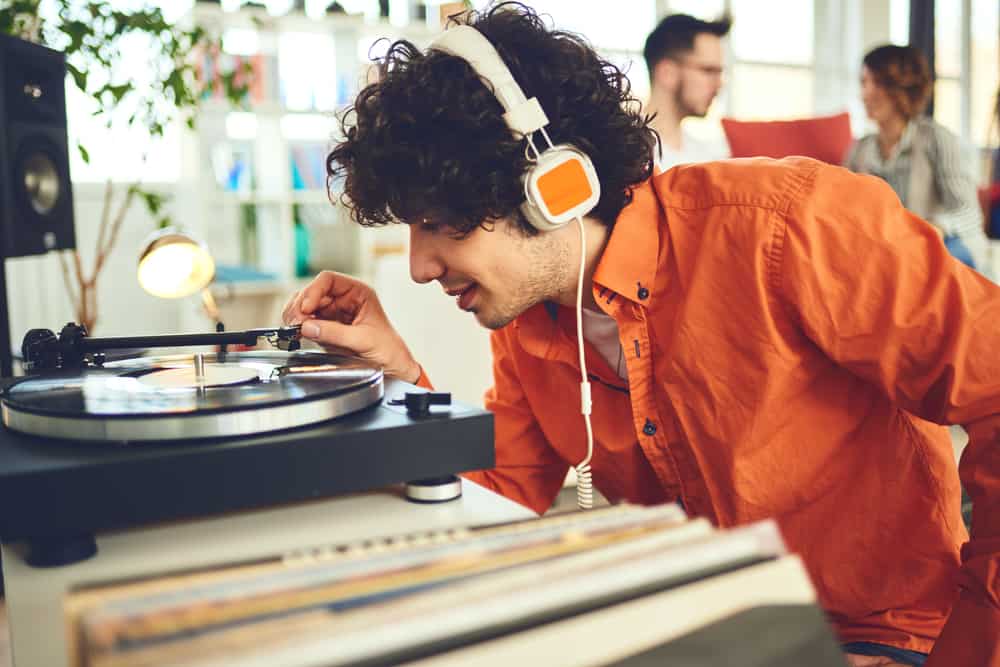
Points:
x=903, y=146
x=906, y=139
x=537, y=331
x=628, y=264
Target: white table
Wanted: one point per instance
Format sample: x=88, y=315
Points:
x=35, y=596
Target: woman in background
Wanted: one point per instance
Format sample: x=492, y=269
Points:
x=919, y=158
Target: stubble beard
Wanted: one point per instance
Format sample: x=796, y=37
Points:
x=685, y=109
x=551, y=273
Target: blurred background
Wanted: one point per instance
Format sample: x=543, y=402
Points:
x=244, y=170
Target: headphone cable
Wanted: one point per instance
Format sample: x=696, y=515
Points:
x=584, y=478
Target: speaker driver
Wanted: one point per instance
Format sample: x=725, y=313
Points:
x=41, y=180
x=41, y=183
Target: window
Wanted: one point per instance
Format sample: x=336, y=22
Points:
x=768, y=92
x=611, y=30
x=899, y=21
x=618, y=35
x=763, y=31
x=948, y=64
x=947, y=103
x=772, y=73
x=966, y=63
x=984, y=77
x=117, y=153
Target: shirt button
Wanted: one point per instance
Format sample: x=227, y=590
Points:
x=649, y=428
x=643, y=292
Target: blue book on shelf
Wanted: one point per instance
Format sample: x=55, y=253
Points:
x=297, y=183
x=236, y=274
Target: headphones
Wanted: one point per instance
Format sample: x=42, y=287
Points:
x=562, y=183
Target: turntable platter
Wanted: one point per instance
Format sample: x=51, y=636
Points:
x=162, y=398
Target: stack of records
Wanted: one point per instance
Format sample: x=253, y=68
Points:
x=405, y=597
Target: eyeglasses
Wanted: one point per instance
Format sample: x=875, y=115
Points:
x=707, y=70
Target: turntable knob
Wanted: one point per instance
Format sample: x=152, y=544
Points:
x=418, y=404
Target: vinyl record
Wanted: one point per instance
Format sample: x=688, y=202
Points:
x=187, y=397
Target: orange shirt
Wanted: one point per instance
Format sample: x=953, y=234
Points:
x=794, y=339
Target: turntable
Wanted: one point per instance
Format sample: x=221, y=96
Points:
x=92, y=443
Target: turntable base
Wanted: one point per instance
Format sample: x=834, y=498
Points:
x=56, y=489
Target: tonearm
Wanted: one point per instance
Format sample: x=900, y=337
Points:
x=42, y=349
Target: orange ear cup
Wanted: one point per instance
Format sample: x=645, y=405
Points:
x=564, y=187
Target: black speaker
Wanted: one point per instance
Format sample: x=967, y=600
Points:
x=36, y=196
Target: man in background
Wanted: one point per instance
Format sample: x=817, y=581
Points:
x=684, y=58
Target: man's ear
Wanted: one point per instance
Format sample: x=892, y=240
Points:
x=667, y=75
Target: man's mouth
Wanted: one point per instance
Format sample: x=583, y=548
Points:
x=465, y=296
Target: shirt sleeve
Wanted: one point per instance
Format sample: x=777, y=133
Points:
x=959, y=211
x=874, y=287
x=424, y=381
x=527, y=470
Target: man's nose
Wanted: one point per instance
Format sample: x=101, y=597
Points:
x=424, y=264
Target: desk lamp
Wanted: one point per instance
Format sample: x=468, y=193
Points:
x=174, y=264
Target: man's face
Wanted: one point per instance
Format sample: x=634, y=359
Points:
x=496, y=274
x=697, y=76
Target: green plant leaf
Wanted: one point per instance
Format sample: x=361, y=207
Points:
x=83, y=153
x=119, y=91
x=79, y=77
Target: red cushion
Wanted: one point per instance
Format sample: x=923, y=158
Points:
x=825, y=138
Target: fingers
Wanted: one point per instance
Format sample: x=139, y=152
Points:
x=333, y=334
x=313, y=292
x=334, y=311
x=327, y=288
x=294, y=313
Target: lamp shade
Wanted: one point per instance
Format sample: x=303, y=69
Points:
x=173, y=264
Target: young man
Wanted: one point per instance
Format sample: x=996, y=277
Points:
x=763, y=339
x=685, y=63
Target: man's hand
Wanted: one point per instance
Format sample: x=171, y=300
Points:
x=345, y=317
x=871, y=661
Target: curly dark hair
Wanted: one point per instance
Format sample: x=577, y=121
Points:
x=903, y=72
x=428, y=140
